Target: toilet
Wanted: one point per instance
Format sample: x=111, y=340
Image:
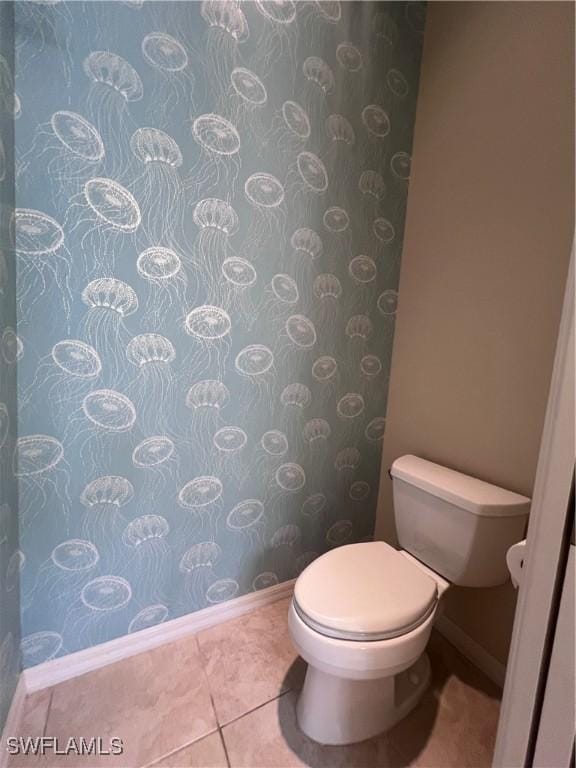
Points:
x=362, y=614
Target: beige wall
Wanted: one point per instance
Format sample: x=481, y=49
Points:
x=486, y=250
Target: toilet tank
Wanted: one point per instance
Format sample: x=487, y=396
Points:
x=457, y=525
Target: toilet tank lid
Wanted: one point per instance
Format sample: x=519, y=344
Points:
x=466, y=492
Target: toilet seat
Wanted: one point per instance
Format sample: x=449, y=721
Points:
x=364, y=592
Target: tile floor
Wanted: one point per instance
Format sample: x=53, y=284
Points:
x=226, y=696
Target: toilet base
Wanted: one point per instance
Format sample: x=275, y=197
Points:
x=334, y=710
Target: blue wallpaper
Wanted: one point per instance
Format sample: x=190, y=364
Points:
x=9, y=552
x=210, y=208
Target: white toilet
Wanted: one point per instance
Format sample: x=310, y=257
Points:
x=362, y=614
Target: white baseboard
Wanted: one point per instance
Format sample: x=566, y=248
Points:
x=75, y=664
x=474, y=652
x=12, y=724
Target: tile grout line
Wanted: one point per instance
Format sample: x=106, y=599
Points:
x=48, y=709
x=255, y=709
x=224, y=747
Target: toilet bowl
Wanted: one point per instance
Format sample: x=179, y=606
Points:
x=361, y=614
x=367, y=667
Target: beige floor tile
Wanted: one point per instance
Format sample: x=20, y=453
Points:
x=32, y=724
x=205, y=753
x=250, y=660
x=269, y=737
x=155, y=702
x=454, y=726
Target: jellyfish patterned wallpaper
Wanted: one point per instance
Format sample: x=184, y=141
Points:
x=9, y=549
x=210, y=202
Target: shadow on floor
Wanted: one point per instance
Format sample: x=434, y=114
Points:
x=453, y=725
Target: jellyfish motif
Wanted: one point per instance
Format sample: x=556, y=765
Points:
x=268, y=453
x=247, y=95
x=149, y=553
x=158, y=187
x=106, y=415
x=197, y=566
x=359, y=329
x=328, y=290
x=173, y=78
x=371, y=366
x=279, y=35
x=233, y=292
x=219, y=143
x=106, y=593
x=339, y=533
x=359, y=490
x=316, y=432
x=316, y=71
x=103, y=522
x=325, y=373
x=206, y=399
x=363, y=273
x=388, y=302
x=340, y=130
x=157, y=461
x=384, y=230
x=374, y=431
x=349, y=57
x=165, y=276
x=217, y=221
x=40, y=647
x=246, y=521
x=312, y=172
x=210, y=327
x=313, y=507
x=290, y=130
x=64, y=376
x=229, y=443
x=336, y=219
x=148, y=617
x=350, y=406
x=306, y=247
x=301, y=331
x=265, y=195
x=11, y=346
x=106, y=216
x=376, y=121
x=281, y=294
x=152, y=355
x=400, y=164
x=201, y=497
x=14, y=568
x=346, y=463
x=264, y=580
x=109, y=301
x=114, y=85
x=362, y=270
x=222, y=590
x=397, y=83
x=255, y=364
x=43, y=476
x=226, y=29
x=66, y=568
x=295, y=399
x=69, y=148
x=44, y=262
x=371, y=184
x=282, y=542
